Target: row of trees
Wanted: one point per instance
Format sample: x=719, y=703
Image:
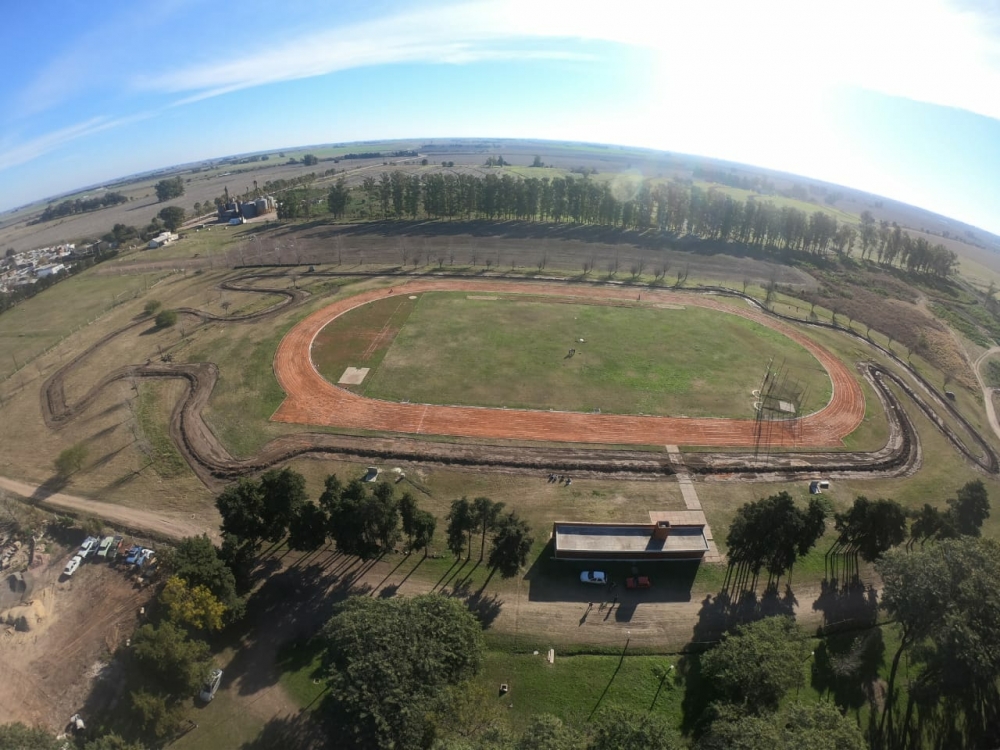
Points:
x=511, y=538
x=772, y=533
x=674, y=207
x=79, y=206
x=361, y=518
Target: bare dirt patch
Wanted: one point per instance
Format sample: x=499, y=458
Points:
x=49, y=670
x=354, y=376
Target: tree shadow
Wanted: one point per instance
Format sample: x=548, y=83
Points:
x=698, y=695
x=735, y=605
x=851, y=605
x=50, y=487
x=290, y=605
x=300, y=731
x=846, y=666
x=485, y=608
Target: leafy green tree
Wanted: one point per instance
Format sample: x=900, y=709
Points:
x=283, y=492
x=310, y=160
x=424, y=524
x=460, y=523
x=240, y=556
x=361, y=522
x=946, y=603
x=168, y=189
x=19, y=736
x=549, y=732
x=970, y=508
x=155, y=712
x=241, y=506
x=408, y=514
x=113, y=742
x=71, y=460
x=198, y=561
x=193, y=607
x=816, y=726
x=871, y=528
x=930, y=523
x=338, y=197
x=169, y=660
x=620, y=728
x=172, y=217
x=389, y=661
x=470, y=716
x=307, y=529
x=772, y=533
x=166, y=318
x=152, y=307
x=754, y=667
x=511, y=546
x=485, y=514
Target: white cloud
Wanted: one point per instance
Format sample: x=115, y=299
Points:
x=927, y=50
x=13, y=152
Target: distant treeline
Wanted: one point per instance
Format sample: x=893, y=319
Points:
x=377, y=155
x=674, y=208
x=720, y=176
x=79, y=206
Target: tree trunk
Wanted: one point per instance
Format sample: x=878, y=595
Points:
x=889, y=693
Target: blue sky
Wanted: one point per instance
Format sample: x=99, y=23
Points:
x=898, y=97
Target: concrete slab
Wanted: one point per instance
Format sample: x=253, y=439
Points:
x=353, y=376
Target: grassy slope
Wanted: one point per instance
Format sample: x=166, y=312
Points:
x=633, y=360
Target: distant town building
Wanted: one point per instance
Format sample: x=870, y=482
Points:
x=49, y=270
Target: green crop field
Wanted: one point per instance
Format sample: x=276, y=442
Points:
x=514, y=352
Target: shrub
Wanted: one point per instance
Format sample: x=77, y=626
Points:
x=166, y=318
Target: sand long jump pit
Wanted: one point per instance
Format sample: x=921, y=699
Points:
x=558, y=363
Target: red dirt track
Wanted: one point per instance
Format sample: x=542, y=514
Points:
x=311, y=399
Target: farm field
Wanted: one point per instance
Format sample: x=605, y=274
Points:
x=514, y=351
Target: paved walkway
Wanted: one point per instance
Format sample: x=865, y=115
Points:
x=694, y=513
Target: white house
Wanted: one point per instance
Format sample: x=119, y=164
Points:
x=164, y=238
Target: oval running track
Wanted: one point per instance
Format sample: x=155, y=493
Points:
x=311, y=399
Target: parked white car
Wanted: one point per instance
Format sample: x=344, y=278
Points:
x=593, y=576
x=72, y=565
x=211, y=686
x=89, y=547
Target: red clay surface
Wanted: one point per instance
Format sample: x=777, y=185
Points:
x=311, y=399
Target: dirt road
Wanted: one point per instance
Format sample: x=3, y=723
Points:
x=158, y=525
x=991, y=413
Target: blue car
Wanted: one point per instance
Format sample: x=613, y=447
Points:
x=133, y=554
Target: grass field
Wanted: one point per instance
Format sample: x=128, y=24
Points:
x=513, y=352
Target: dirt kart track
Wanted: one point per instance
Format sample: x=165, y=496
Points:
x=311, y=399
